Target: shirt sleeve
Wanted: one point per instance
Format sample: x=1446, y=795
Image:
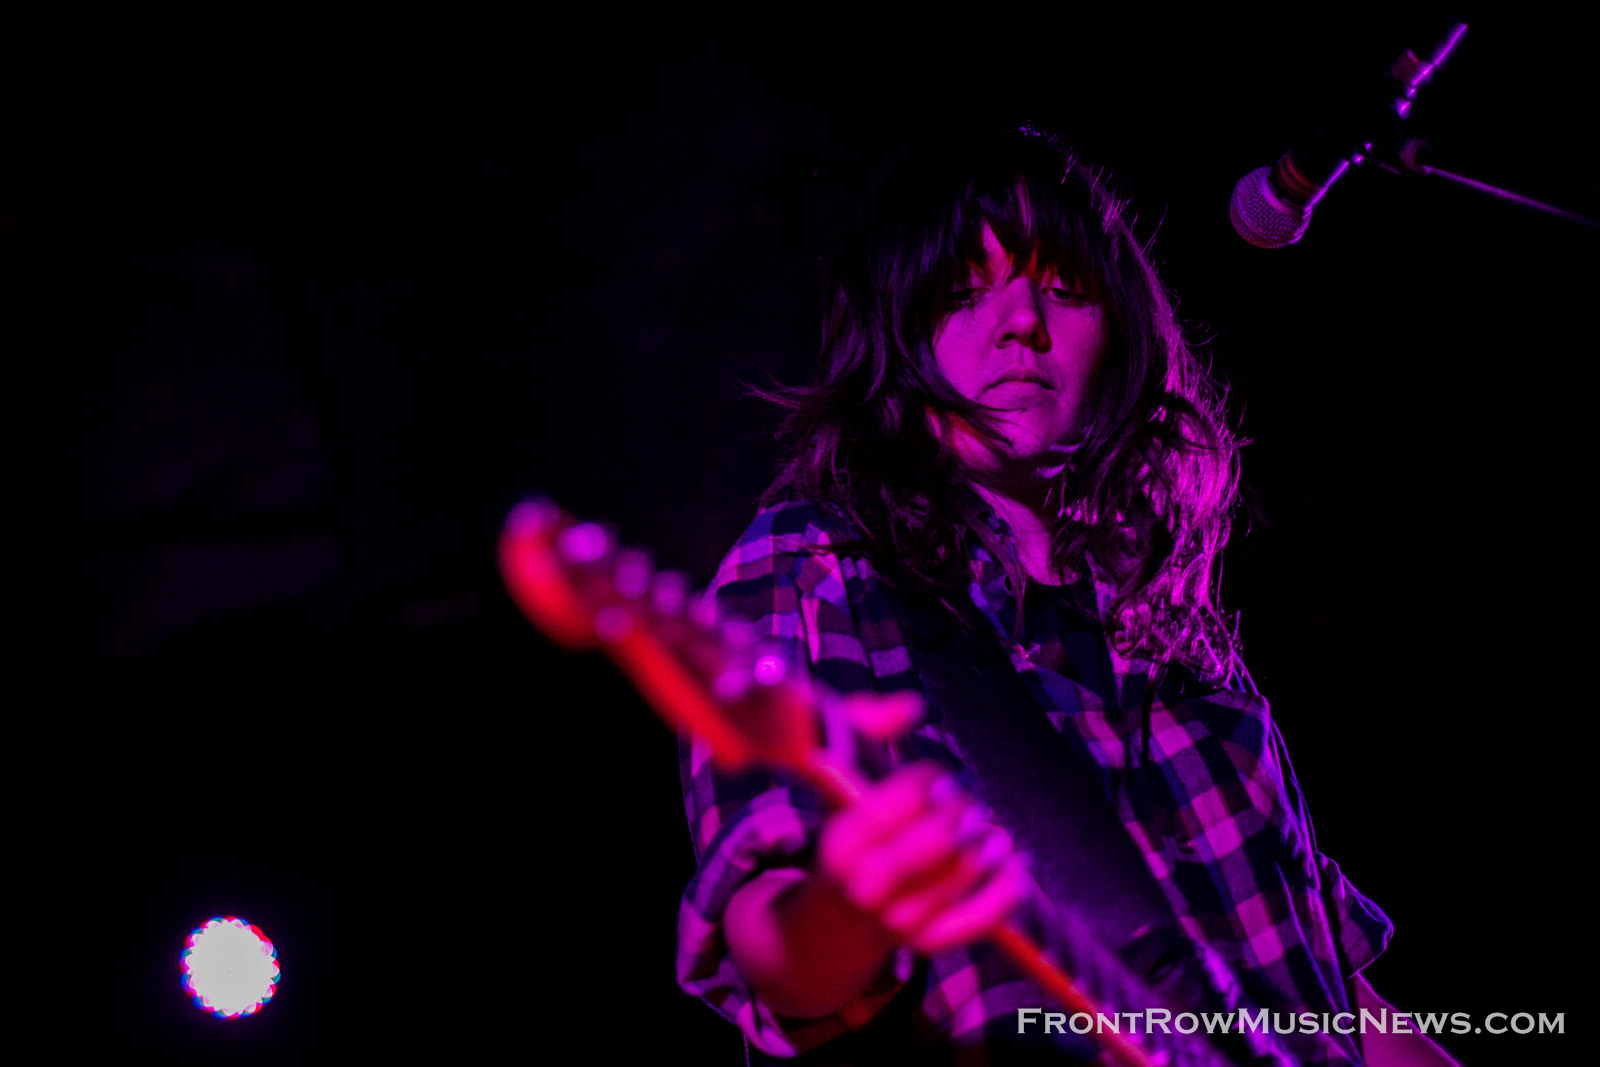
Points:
x=1359, y=928
x=783, y=579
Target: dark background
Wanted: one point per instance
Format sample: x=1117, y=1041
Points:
x=313, y=306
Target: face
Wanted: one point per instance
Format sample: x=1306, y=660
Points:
x=1029, y=344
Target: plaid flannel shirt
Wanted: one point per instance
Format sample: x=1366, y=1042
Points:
x=1216, y=810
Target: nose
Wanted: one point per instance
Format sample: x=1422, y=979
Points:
x=1022, y=319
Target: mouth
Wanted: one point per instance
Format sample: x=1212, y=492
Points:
x=1021, y=377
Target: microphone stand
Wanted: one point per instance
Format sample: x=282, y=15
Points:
x=1410, y=158
x=1271, y=207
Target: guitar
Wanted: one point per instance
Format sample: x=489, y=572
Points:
x=741, y=696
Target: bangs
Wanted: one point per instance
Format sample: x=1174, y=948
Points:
x=922, y=232
x=1035, y=221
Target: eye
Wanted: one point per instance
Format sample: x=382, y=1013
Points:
x=1069, y=294
x=960, y=298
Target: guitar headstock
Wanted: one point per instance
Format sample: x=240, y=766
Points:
x=720, y=681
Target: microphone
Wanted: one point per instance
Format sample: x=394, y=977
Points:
x=1271, y=206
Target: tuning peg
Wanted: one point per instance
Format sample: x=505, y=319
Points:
x=731, y=683
x=669, y=592
x=770, y=668
x=703, y=610
x=750, y=658
x=585, y=543
x=632, y=576
x=533, y=517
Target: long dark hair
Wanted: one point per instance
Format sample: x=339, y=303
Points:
x=1147, y=495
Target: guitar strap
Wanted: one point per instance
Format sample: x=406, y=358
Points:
x=1050, y=797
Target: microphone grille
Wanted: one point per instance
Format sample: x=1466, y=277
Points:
x=1263, y=218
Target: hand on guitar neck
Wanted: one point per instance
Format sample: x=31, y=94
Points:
x=915, y=861
x=909, y=860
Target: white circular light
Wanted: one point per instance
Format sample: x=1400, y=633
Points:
x=229, y=967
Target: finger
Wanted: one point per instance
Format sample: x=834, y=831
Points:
x=928, y=850
x=882, y=811
x=952, y=833
x=884, y=718
x=909, y=913
x=979, y=914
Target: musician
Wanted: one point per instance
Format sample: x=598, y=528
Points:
x=1007, y=424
